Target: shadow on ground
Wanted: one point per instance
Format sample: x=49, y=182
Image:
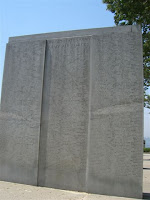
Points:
x=146, y=195
x=146, y=168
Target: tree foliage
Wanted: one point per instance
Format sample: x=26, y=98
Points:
x=128, y=12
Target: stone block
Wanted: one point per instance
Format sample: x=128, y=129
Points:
x=21, y=111
x=65, y=108
x=72, y=111
x=115, y=150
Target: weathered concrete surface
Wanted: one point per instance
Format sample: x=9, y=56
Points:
x=91, y=134
x=63, y=142
x=116, y=111
x=11, y=191
x=21, y=112
x=76, y=33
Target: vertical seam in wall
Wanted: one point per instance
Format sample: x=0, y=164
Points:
x=142, y=107
x=89, y=119
x=41, y=111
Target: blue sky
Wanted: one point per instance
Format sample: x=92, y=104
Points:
x=24, y=17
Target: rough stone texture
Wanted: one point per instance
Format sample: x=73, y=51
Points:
x=13, y=191
x=76, y=33
x=63, y=142
x=116, y=112
x=91, y=134
x=21, y=112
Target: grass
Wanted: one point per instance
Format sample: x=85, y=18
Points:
x=146, y=149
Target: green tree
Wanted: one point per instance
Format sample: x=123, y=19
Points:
x=128, y=12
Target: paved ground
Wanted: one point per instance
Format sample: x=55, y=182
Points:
x=12, y=191
x=146, y=175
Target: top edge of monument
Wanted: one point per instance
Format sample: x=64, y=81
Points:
x=76, y=33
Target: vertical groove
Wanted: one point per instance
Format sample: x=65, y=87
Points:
x=41, y=111
x=89, y=124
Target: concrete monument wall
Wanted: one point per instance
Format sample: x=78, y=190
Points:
x=72, y=111
x=21, y=111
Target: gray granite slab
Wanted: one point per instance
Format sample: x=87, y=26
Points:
x=21, y=112
x=76, y=33
x=63, y=141
x=72, y=111
x=116, y=111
